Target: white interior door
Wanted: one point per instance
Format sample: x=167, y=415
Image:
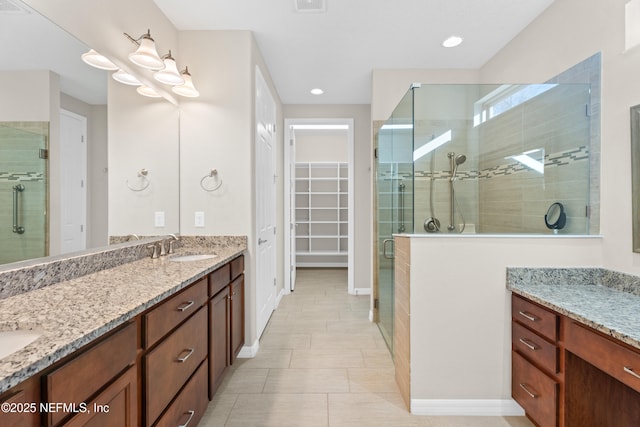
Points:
x=73, y=171
x=292, y=210
x=265, y=203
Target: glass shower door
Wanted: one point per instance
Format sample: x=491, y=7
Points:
x=394, y=204
x=23, y=190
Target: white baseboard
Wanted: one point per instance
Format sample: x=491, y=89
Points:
x=466, y=407
x=248, y=352
x=279, y=297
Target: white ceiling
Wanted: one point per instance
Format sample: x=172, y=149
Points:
x=28, y=41
x=337, y=50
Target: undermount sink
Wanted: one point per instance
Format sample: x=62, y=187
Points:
x=12, y=341
x=187, y=258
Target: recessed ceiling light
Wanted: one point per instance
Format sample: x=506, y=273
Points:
x=317, y=91
x=452, y=41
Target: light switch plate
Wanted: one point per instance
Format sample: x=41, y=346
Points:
x=199, y=219
x=159, y=219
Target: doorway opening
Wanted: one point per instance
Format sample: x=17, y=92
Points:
x=319, y=197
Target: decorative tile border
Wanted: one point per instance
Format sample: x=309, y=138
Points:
x=21, y=177
x=564, y=158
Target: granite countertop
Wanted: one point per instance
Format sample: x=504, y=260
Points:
x=610, y=309
x=72, y=313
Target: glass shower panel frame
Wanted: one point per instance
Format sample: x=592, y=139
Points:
x=394, y=187
x=23, y=190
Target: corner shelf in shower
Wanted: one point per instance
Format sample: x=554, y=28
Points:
x=321, y=214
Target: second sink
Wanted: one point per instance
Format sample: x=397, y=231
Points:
x=186, y=258
x=12, y=341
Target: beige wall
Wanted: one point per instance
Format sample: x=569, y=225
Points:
x=361, y=175
x=321, y=148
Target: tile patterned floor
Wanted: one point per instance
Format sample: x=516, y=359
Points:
x=322, y=363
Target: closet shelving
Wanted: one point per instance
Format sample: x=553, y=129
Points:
x=322, y=213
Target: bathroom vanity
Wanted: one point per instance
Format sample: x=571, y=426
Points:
x=576, y=353
x=145, y=343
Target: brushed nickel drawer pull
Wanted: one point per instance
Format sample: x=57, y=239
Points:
x=524, y=387
x=630, y=370
x=528, y=344
x=527, y=316
x=189, y=353
x=185, y=305
x=190, y=413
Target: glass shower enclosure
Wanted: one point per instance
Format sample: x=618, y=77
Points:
x=23, y=190
x=481, y=159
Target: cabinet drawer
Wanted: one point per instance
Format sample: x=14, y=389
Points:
x=168, y=366
x=219, y=279
x=116, y=406
x=237, y=267
x=534, y=391
x=619, y=362
x=535, y=317
x=170, y=313
x=26, y=393
x=190, y=404
x=534, y=348
x=77, y=380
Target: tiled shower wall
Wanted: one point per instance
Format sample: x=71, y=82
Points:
x=20, y=163
x=495, y=194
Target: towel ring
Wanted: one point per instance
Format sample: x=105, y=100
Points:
x=213, y=175
x=143, y=179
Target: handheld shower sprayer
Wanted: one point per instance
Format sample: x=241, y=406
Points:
x=456, y=160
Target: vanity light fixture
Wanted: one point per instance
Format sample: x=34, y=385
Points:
x=96, y=60
x=126, y=78
x=147, y=91
x=169, y=74
x=317, y=91
x=452, y=41
x=146, y=55
x=186, y=89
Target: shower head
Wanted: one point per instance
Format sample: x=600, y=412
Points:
x=455, y=162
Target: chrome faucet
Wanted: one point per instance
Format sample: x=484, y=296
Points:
x=172, y=239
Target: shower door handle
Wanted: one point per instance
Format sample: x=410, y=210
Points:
x=17, y=228
x=384, y=249
x=401, y=188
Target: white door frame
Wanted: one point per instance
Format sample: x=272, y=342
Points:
x=265, y=126
x=288, y=230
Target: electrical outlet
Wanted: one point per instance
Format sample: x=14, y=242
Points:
x=199, y=219
x=159, y=219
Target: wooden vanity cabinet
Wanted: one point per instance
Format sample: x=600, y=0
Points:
x=86, y=376
x=567, y=374
x=226, y=319
x=175, y=332
x=22, y=399
x=534, y=362
x=159, y=369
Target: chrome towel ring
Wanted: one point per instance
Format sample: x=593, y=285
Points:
x=143, y=180
x=213, y=176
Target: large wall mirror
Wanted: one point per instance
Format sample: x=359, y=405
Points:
x=58, y=197
x=635, y=175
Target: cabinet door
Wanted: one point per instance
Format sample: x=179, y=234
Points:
x=237, y=316
x=116, y=406
x=219, y=339
x=26, y=399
